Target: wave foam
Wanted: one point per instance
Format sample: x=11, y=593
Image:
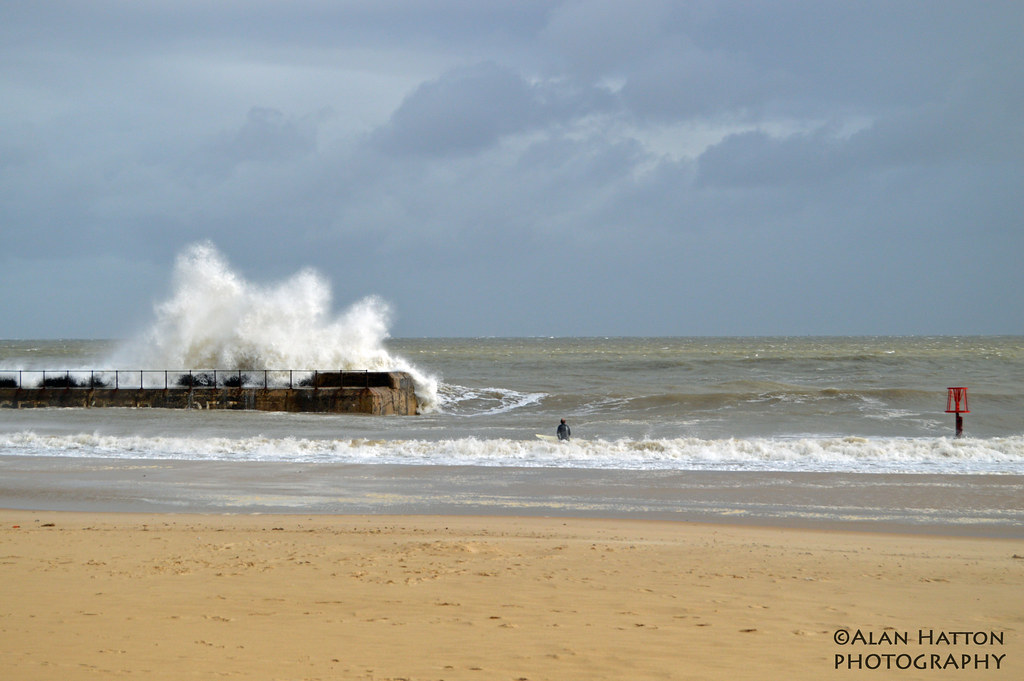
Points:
x=461, y=400
x=850, y=454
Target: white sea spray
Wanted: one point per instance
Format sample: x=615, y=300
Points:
x=215, y=319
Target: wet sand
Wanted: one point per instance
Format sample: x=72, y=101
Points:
x=173, y=596
x=971, y=505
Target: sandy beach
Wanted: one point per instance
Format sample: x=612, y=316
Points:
x=172, y=596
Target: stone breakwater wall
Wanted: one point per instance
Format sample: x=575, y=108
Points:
x=379, y=393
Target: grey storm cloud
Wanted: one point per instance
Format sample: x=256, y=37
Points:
x=461, y=112
x=473, y=107
x=661, y=167
x=266, y=136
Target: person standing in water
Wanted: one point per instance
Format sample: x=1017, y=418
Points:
x=563, y=431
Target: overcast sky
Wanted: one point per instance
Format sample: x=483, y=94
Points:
x=522, y=168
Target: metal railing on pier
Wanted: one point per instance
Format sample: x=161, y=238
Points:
x=183, y=379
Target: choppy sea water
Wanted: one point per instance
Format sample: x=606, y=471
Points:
x=850, y=405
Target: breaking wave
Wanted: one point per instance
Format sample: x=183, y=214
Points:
x=840, y=454
x=215, y=319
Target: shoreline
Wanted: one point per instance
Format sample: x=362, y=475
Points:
x=167, y=595
x=954, y=505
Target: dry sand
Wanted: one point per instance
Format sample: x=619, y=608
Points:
x=166, y=596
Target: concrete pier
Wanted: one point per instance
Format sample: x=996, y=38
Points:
x=379, y=393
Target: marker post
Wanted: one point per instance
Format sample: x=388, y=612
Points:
x=956, y=403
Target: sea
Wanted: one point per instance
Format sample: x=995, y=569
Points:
x=788, y=429
x=811, y=404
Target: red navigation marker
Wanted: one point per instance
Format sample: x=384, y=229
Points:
x=956, y=403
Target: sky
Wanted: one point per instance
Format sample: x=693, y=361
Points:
x=521, y=168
